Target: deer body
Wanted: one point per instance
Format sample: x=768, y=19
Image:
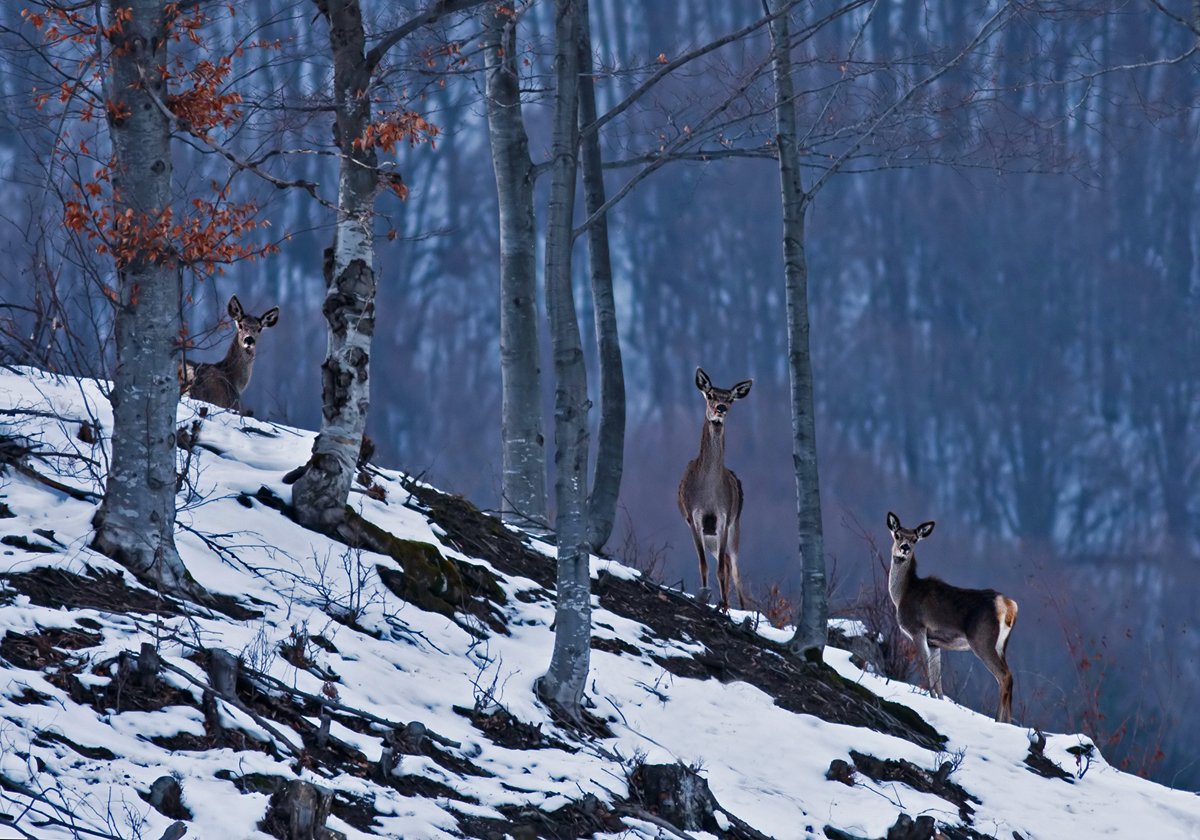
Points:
x=222, y=383
x=710, y=495
x=938, y=616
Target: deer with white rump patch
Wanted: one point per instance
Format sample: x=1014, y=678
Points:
x=222, y=383
x=937, y=616
x=710, y=496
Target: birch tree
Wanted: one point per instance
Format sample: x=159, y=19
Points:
x=322, y=490
x=320, y=494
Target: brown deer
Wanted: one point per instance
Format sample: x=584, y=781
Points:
x=937, y=616
x=710, y=496
x=222, y=383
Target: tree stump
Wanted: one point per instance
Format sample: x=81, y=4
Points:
x=906, y=828
x=298, y=811
x=148, y=665
x=223, y=669
x=677, y=794
x=166, y=797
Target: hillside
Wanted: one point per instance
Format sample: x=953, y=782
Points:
x=402, y=685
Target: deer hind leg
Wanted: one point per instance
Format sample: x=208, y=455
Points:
x=700, y=553
x=732, y=538
x=994, y=654
x=723, y=568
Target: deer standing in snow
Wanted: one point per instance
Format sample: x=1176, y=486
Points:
x=710, y=496
x=222, y=383
x=937, y=616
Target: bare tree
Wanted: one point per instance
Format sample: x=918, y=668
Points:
x=523, y=486
x=610, y=434
x=564, y=682
x=321, y=492
x=809, y=638
x=135, y=523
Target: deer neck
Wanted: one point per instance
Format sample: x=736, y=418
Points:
x=712, y=447
x=901, y=576
x=237, y=364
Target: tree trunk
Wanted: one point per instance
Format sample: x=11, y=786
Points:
x=321, y=493
x=810, y=635
x=135, y=523
x=523, y=486
x=610, y=438
x=563, y=683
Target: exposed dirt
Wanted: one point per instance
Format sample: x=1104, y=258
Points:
x=733, y=652
x=935, y=781
x=503, y=729
x=104, y=591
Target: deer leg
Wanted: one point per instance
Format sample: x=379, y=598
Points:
x=699, y=540
x=935, y=671
x=732, y=537
x=723, y=569
x=922, y=642
x=999, y=667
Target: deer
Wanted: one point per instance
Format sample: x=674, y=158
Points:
x=937, y=616
x=222, y=383
x=710, y=495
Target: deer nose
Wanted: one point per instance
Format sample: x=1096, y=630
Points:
x=905, y=548
x=249, y=341
x=721, y=408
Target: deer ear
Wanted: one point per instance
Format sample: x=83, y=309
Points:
x=893, y=521
x=742, y=389
x=235, y=308
x=702, y=380
x=924, y=530
x=271, y=317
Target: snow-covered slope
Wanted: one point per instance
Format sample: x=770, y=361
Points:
x=84, y=735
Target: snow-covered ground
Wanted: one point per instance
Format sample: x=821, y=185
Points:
x=764, y=764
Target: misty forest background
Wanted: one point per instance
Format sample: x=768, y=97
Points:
x=1004, y=332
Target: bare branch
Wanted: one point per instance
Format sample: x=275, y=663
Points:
x=433, y=13
x=989, y=27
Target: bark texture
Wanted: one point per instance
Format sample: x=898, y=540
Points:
x=135, y=523
x=320, y=494
x=810, y=635
x=523, y=486
x=563, y=683
x=610, y=436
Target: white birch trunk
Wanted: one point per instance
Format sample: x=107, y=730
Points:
x=321, y=493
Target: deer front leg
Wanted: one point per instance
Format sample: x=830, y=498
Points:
x=732, y=539
x=723, y=569
x=935, y=671
x=702, y=595
x=922, y=642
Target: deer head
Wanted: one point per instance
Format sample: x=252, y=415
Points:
x=904, y=540
x=720, y=399
x=248, y=326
